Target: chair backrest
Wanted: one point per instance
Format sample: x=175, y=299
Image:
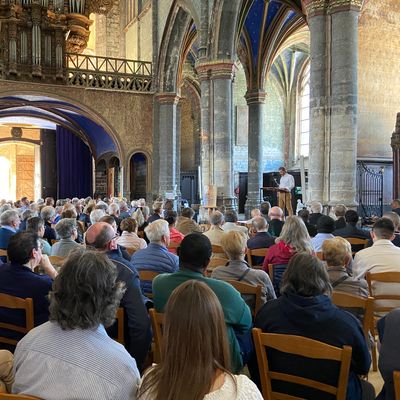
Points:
x=304, y=347
x=247, y=289
x=147, y=275
x=130, y=250
x=157, y=322
x=119, y=316
x=346, y=300
x=8, y=396
x=357, y=244
x=396, y=382
x=56, y=260
x=216, y=249
x=383, y=277
x=275, y=272
x=3, y=253
x=7, y=301
x=204, y=227
x=320, y=255
x=261, y=252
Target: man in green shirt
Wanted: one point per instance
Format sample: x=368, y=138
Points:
x=194, y=256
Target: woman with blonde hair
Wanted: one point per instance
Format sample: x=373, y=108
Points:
x=195, y=333
x=293, y=239
x=234, y=245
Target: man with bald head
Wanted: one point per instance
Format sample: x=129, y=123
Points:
x=137, y=334
x=275, y=221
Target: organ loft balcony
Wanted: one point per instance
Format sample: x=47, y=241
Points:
x=44, y=41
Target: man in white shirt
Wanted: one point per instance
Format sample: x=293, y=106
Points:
x=382, y=256
x=286, y=183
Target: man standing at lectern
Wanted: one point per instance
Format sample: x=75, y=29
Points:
x=286, y=183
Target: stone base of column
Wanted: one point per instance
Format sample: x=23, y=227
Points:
x=251, y=203
x=229, y=202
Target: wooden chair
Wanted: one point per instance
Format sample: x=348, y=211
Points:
x=119, y=316
x=130, y=250
x=246, y=289
x=346, y=300
x=396, y=382
x=17, y=303
x=357, y=244
x=157, y=322
x=204, y=227
x=8, y=396
x=3, y=253
x=261, y=252
x=216, y=249
x=56, y=261
x=53, y=241
x=147, y=275
x=305, y=347
x=275, y=273
x=320, y=255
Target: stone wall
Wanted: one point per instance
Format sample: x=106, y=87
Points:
x=378, y=76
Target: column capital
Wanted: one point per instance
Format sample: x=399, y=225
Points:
x=395, y=139
x=219, y=69
x=255, y=97
x=315, y=7
x=167, y=98
x=344, y=5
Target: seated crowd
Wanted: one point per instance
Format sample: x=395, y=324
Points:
x=107, y=247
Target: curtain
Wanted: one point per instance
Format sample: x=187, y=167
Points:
x=74, y=165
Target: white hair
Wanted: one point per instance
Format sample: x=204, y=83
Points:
x=156, y=230
x=96, y=215
x=113, y=208
x=316, y=207
x=9, y=216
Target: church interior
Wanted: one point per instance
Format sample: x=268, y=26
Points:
x=167, y=105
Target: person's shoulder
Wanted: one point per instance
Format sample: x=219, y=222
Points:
x=246, y=388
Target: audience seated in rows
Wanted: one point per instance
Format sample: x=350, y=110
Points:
x=293, y=239
x=67, y=232
x=389, y=353
x=6, y=371
x=36, y=225
x=351, y=229
x=340, y=212
x=316, y=212
x=174, y=235
x=325, y=227
x=101, y=237
x=10, y=222
x=72, y=355
x=129, y=237
x=275, y=221
x=48, y=213
x=305, y=309
x=17, y=278
x=191, y=313
x=194, y=256
x=382, y=256
x=215, y=233
x=185, y=223
x=231, y=219
x=304, y=214
x=234, y=245
x=156, y=256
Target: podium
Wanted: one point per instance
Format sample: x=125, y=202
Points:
x=273, y=189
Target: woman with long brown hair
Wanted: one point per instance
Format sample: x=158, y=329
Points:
x=195, y=361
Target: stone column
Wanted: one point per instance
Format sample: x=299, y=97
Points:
x=166, y=144
x=343, y=101
x=395, y=143
x=318, y=68
x=256, y=103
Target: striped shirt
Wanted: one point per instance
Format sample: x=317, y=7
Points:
x=56, y=364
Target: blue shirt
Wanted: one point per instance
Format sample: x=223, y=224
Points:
x=84, y=364
x=154, y=258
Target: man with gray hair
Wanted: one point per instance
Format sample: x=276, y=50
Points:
x=114, y=210
x=156, y=256
x=67, y=232
x=96, y=215
x=10, y=222
x=215, y=232
x=316, y=212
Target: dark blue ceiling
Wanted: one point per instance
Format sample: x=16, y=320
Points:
x=66, y=114
x=260, y=11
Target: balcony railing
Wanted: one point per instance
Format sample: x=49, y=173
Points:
x=108, y=73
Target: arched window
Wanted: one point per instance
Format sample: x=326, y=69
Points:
x=303, y=113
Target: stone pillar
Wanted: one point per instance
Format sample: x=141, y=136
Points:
x=318, y=68
x=221, y=122
x=343, y=101
x=395, y=143
x=166, y=142
x=256, y=103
